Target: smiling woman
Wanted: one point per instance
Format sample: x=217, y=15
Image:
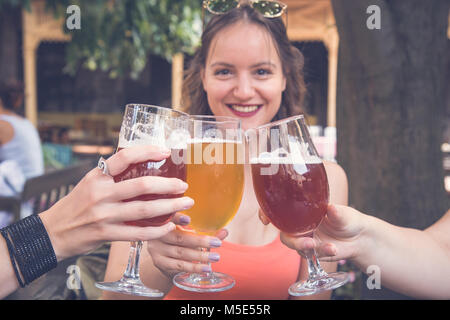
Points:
x=246, y=68
x=244, y=81
x=263, y=44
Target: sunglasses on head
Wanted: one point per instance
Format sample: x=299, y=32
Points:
x=269, y=9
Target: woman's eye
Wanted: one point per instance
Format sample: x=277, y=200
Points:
x=222, y=72
x=263, y=72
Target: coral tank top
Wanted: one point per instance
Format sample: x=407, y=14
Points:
x=261, y=273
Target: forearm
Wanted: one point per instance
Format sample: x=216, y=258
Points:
x=8, y=278
x=410, y=261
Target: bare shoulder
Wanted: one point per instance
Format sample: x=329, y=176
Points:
x=337, y=180
x=6, y=132
x=335, y=171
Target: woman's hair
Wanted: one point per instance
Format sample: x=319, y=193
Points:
x=11, y=94
x=194, y=98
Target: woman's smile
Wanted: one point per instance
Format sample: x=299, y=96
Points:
x=244, y=110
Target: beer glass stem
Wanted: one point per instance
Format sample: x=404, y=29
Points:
x=314, y=268
x=130, y=282
x=132, y=271
x=208, y=273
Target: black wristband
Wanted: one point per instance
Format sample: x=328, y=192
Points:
x=30, y=249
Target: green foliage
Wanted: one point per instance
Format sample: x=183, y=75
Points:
x=15, y=3
x=118, y=36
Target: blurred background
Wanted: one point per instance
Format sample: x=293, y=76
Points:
x=378, y=99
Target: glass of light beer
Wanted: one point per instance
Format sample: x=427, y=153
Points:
x=215, y=174
x=291, y=187
x=157, y=126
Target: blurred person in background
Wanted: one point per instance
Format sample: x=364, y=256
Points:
x=20, y=147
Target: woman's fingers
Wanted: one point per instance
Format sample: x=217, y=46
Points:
x=133, y=233
x=193, y=255
x=131, y=188
x=179, y=250
x=189, y=239
x=121, y=160
x=327, y=252
x=305, y=244
x=181, y=219
x=172, y=266
x=299, y=244
x=138, y=210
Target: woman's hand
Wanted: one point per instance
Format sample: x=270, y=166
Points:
x=339, y=236
x=179, y=250
x=94, y=211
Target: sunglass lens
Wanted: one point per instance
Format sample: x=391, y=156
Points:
x=268, y=8
x=222, y=6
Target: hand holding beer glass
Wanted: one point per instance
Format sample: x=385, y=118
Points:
x=215, y=174
x=291, y=187
x=153, y=126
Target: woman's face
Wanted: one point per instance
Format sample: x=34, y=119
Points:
x=243, y=75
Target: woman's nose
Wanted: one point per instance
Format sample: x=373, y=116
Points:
x=244, y=89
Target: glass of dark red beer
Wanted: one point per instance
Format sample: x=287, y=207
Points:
x=291, y=186
x=157, y=126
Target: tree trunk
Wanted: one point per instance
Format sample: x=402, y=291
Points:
x=390, y=106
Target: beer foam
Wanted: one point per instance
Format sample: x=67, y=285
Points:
x=154, y=134
x=142, y=141
x=212, y=140
x=287, y=160
x=281, y=156
x=178, y=139
x=143, y=134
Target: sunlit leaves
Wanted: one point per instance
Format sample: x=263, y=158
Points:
x=118, y=36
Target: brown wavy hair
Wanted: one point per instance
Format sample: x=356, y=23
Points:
x=194, y=100
x=11, y=94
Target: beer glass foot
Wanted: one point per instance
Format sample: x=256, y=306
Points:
x=133, y=287
x=316, y=285
x=203, y=282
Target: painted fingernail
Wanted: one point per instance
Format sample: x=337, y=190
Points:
x=184, y=220
x=213, y=256
x=214, y=242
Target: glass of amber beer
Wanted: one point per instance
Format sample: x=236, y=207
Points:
x=291, y=186
x=162, y=127
x=215, y=175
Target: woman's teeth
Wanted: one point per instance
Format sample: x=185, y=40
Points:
x=244, y=109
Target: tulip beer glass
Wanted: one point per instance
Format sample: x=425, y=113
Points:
x=162, y=127
x=291, y=186
x=215, y=175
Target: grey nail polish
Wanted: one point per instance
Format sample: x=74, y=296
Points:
x=215, y=243
x=213, y=256
x=185, y=220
